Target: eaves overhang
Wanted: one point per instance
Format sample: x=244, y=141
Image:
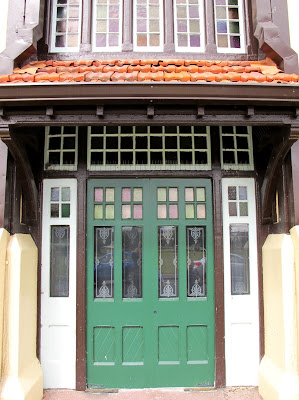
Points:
x=88, y=93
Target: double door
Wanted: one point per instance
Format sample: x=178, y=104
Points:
x=150, y=283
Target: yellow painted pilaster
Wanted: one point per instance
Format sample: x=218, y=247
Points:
x=4, y=237
x=295, y=237
x=21, y=371
x=278, y=378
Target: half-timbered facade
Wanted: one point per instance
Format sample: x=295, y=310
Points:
x=149, y=179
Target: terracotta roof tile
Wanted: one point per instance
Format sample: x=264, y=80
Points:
x=133, y=70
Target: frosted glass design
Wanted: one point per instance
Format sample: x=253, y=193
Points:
x=104, y=262
x=239, y=259
x=59, y=261
x=196, y=261
x=55, y=194
x=65, y=194
x=168, y=261
x=131, y=262
x=98, y=195
x=237, y=201
x=60, y=206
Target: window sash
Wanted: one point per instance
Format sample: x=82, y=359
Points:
x=177, y=20
x=111, y=6
x=229, y=23
x=150, y=4
x=64, y=19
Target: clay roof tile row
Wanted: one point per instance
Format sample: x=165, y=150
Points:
x=167, y=70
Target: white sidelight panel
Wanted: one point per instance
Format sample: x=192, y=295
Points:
x=58, y=283
x=240, y=282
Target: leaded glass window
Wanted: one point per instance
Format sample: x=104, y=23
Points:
x=189, y=25
x=66, y=25
x=229, y=26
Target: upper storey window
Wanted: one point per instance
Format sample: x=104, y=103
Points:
x=148, y=25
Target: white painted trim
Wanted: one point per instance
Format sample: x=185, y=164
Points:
x=241, y=311
x=202, y=20
x=58, y=314
x=94, y=30
x=161, y=28
x=53, y=48
x=242, y=49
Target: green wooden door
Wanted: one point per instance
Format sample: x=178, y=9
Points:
x=150, y=283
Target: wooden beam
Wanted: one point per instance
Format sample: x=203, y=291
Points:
x=3, y=171
x=24, y=170
x=273, y=170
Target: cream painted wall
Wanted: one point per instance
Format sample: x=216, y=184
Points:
x=293, y=9
x=3, y=24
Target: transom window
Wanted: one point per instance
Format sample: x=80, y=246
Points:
x=147, y=25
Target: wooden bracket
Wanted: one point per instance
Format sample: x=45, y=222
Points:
x=250, y=111
x=278, y=155
x=4, y=131
x=150, y=111
x=17, y=150
x=50, y=112
x=100, y=111
x=200, y=111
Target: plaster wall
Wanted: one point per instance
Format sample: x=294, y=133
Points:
x=21, y=371
x=278, y=376
x=293, y=11
x=4, y=236
x=3, y=24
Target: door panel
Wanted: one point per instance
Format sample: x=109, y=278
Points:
x=150, y=283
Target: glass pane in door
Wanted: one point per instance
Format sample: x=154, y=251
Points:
x=196, y=261
x=168, y=261
x=132, y=261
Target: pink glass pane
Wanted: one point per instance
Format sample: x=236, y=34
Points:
x=182, y=26
x=194, y=40
x=126, y=211
x=201, y=211
x=126, y=194
x=193, y=12
x=113, y=40
x=182, y=40
x=113, y=26
x=141, y=12
x=141, y=25
x=173, y=194
x=173, y=211
x=189, y=194
x=137, y=211
x=162, y=211
x=101, y=40
x=98, y=194
x=114, y=12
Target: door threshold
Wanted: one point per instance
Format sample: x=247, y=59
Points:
x=95, y=390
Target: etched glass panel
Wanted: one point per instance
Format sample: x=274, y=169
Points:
x=239, y=258
x=132, y=261
x=168, y=261
x=59, y=261
x=104, y=262
x=55, y=194
x=196, y=261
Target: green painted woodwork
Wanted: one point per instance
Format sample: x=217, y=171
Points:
x=150, y=341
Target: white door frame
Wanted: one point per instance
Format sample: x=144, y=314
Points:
x=58, y=314
x=242, y=353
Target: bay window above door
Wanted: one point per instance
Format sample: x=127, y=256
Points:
x=162, y=26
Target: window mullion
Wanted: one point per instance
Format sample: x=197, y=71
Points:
x=127, y=25
x=86, y=23
x=168, y=26
x=211, y=47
